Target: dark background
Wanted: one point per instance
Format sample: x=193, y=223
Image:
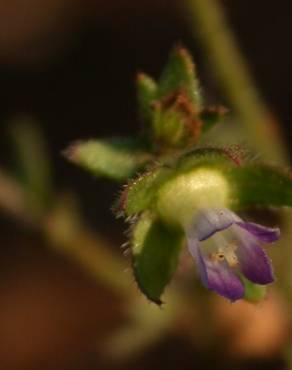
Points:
x=77, y=76
x=71, y=65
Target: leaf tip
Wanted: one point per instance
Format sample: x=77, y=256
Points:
x=71, y=152
x=182, y=52
x=144, y=292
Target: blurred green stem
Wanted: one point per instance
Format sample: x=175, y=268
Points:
x=12, y=199
x=210, y=27
x=32, y=163
x=66, y=233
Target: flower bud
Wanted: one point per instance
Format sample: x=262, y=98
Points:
x=182, y=197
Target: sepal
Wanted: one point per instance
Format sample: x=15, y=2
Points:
x=116, y=158
x=155, y=253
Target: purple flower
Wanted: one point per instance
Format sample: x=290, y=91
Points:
x=224, y=247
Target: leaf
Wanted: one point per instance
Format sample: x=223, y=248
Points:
x=253, y=292
x=142, y=192
x=146, y=93
x=179, y=74
x=260, y=185
x=116, y=158
x=155, y=255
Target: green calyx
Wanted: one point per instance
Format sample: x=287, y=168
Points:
x=203, y=178
x=176, y=188
x=181, y=198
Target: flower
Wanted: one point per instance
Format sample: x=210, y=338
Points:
x=224, y=247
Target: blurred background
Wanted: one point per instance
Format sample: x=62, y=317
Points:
x=68, y=67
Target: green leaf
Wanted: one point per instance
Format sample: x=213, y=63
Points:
x=179, y=74
x=146, y=93
x=155, y=255
x=142, y=192
x=116, y=158
x=253, y=292
x=260, y=185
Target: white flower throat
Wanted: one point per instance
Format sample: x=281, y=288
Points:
x=225, y=250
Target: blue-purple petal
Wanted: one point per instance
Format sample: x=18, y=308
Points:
x=224, y=281
x=254, y=262
x=210, y=221
x=262, y=233
x=216, y=276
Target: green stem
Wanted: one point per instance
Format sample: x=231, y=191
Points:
x=210, y=25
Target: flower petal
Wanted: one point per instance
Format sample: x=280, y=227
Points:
x=210, y=221
x=262, y=233
x=224, y=281
x=216, y=276
x=253, y=261
x=194, y=249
